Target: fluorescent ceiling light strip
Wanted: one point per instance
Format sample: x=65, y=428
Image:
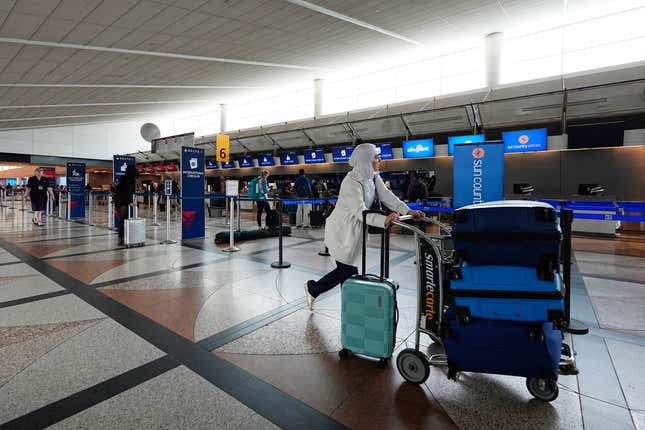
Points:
x=106, y=104
x=155, y=54
x=41, y=118
x=351, y=20
x=181, y=87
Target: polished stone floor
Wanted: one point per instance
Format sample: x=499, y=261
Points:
x=93, y=335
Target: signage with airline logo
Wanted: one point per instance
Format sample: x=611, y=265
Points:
x=288, y=158
x=211, y=164
x=228, y=164
x=464, y=140
x=76, y=189
x=314, y=156
x=265, y=160
x=341, y=154
x=245, y=161
x=422, y=148
x=384, y=150
x=192, y=193
x=478, y=173
x=525, y=140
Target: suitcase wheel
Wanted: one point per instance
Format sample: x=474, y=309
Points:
x=344, y=353
x=383, y=362
x=413, y=366
x=543, y=389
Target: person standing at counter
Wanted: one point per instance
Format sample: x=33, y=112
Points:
x=303, y=191
x=38, y=188
x=344, y=227
x=123, y=194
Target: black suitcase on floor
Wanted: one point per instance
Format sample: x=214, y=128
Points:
x=316, y=219
x=273, y=219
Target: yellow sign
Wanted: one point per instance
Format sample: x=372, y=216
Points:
x=223, y=148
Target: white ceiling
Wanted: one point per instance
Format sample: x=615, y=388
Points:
x=269, y=31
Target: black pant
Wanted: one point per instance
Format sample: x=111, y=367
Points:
x=124, y=213
x=262, y=206
x=337, y=276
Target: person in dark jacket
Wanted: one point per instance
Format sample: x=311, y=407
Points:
x=38, y=189
x=303, y=191
x=124, y=191
x=417, y=190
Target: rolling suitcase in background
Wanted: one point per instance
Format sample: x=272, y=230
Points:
x=506, y=293
x=134, y=232
x=316, y=219
x=513, y=232
x=369, y=312
x=273, y=219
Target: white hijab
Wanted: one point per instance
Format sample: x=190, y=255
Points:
x=363, y=170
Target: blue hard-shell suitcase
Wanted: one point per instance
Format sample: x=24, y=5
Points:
x=506, y=293
x=513, y=232
x=514, y=348
x=368, y=315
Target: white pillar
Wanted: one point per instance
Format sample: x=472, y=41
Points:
x=223, y=116
x=493, y=49
x=319, y=86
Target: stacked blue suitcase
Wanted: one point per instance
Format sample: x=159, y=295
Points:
x=506, y=293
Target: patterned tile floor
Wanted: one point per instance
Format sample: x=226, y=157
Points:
x=93, y=335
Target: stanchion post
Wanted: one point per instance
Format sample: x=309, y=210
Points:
x=69, y=206
x=231, y=233
x=24, y=197
x=572, y=326
x=239, y=218
x=168, y=241
x=226, y=204
x=155, y=204
x=324, y=253
x=90, y=209
x=60, y=205
x=110, y=212
x=280, y=264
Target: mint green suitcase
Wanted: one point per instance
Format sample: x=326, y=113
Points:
x=369, y=311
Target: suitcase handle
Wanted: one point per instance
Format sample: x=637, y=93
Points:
x=385, y=245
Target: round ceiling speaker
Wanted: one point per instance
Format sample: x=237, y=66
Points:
x=150, y=131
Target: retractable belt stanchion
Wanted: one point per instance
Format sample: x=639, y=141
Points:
x=110, y=212
x=239, y=222
x=168, y=241
x=155, y=204
x=280, y=264
x=572, y=326
x=90, y=208
x=69, y=207
x=231, y=233
x=48, y=206
x=60, y=205
x=24, y=197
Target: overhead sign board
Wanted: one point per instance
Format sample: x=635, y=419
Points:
x=223, y=148
x=172, y=144
x=421, y=148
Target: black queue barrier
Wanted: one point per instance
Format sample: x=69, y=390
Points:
x=280, y=264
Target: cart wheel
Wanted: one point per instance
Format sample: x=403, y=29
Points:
x=344, y=353
x=382, y=363
x=413, y=366
x=543, y=389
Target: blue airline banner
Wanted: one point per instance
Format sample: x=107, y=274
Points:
x=211, y=164
x=76, y=188
x=341, y=154
x=478, y=172
x=525, y=140
x=228, y=165
x=314, y=156
x=288, y=158
x=462, y=140
x=265, y=160
x=245, y=162
x=422, y=148
x=192, y=192
x=384, y=150
x=119, y=164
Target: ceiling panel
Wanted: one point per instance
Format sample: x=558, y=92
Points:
x=329, y=135
x=292, y=139
x=20, y=25
x=257, y=143
x=628, y=98
x=438, y=121
x=379, y=128
x=530, y=109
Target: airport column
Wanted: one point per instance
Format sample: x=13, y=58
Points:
x=319, y=87
x=493, y=51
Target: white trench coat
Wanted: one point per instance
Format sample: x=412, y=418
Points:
x=344, y=227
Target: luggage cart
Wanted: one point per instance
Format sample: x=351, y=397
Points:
x=434, y=256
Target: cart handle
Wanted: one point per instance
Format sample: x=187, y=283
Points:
x=414, y=229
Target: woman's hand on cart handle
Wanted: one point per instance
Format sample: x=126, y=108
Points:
x=391, y=217
x=417, y=214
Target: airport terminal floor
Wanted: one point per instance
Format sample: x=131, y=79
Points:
x=93, y=335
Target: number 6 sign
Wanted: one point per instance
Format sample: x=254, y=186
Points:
x=222, y=148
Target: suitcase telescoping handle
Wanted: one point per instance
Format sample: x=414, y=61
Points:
x=385, y=246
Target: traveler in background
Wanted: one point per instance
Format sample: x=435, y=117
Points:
x=303, y=191
x=405, y=185
x=38, y=188
x=123, y=194
x=344, y=227
x=260, y=194
x=417, y=189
